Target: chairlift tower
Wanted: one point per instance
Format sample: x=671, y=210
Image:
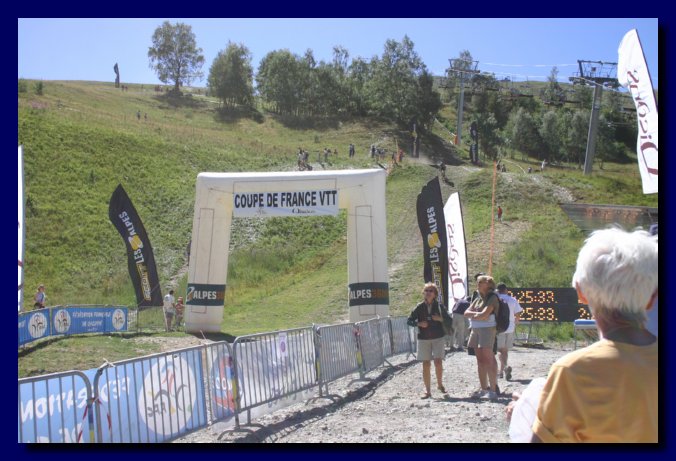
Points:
x=599, y=74
x=465, y=69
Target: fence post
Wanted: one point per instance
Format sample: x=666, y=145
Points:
x=95, y=398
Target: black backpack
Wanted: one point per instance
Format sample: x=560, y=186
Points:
x=502, y=316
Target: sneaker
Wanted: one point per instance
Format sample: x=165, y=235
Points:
x=508, y=373
x=479, y=394
x=490, y=395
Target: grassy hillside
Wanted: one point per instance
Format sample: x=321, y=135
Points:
x=83, y=138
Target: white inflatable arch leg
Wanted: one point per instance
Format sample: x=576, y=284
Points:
x=219, y=195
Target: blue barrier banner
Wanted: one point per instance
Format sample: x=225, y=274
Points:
x=53, y=410
x=148, y=400
x=34, y=325
x=154, y=399
x=221, y=382
x=78, y=320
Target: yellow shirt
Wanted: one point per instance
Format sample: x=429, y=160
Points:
x=606, y=392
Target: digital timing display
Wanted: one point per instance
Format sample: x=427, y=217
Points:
x=550, y=304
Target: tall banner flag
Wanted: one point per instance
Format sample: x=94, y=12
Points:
x=429, y=207
x=22, y=231
x=140, y=257
x=457, y=250
x=632, y=72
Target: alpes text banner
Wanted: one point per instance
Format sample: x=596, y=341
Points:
x=140, y=257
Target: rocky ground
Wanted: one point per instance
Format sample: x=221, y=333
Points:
x=387, y=407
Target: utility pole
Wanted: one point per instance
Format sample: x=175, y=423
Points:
x=598, y=74
x=464, y=69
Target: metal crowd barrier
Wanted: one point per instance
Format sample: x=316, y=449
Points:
x=337, y=352
x=370, y=341
x=588, y=329
x=402, y=342
x=220, y=383
x=55, y=399
x=271, y=366
x=155, y=398
x=159, y=397
x=523, y=333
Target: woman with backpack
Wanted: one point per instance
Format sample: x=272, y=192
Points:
x=482, y=338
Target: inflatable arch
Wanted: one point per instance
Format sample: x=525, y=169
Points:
x=221, y=196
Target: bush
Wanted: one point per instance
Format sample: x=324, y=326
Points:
x=39, y=87
x=23, y=86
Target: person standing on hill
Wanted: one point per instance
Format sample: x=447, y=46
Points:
x=40, y=297
x=499, y=213
x=427, y=317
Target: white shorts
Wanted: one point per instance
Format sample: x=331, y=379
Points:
x=430, y=347
x=506, y=340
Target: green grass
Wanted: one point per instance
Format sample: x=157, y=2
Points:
x=82, y=138
x=81, y=352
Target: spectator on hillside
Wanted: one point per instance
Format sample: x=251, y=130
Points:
x=427, y=317
x=506, y=338
x=608, y=391
x=40, y=297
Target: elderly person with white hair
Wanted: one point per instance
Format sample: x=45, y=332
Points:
x=607, y=392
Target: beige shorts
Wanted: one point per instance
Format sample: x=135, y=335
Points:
x=430, y=347
x=505, y=340
x=482, y=337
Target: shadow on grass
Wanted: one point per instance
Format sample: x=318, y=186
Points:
x=176, y=99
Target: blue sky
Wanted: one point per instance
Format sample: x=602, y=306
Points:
x=522, y=49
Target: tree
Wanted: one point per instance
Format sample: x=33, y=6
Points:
x=550, y=135
x=231, y=76
x=280, y=81
x=553, y=92
x=398, y=82
x=489, y=134
x=523, y=132
x=175, y=55
x=576, y=136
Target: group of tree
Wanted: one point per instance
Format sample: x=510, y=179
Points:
x=395, y=86
x=545, y=128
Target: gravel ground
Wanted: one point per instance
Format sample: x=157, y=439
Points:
x=386, y=407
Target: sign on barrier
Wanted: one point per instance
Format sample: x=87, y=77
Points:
x=34, y=325
x=274, y=370
x=80, y=320
x=153, y=399
x=53, y=409
x=71, y=320
x=221, y=373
